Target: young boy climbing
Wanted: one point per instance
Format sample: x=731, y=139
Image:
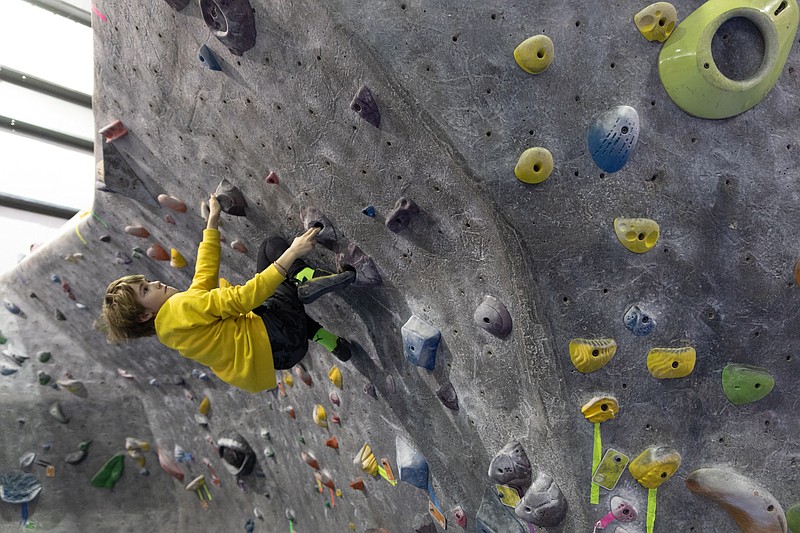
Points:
x=243, y=333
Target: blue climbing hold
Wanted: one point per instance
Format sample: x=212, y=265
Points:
x=412, y=466
x=613, y=137
x=12, y=307
x=54, y=278
x=420, y=342
x=369, y=211
x=208, y=59
x=639, y=322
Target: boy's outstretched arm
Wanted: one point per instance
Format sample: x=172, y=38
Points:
x=206, y=275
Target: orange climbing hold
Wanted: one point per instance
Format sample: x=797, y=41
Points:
x=310, y=460
x=172, y=203
x=113, y=131
x=157, y=252
x=239, y=246
x=332, y=442
x=357, y=484
x=137, y=231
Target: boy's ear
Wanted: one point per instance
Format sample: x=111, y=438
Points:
x=144, y=317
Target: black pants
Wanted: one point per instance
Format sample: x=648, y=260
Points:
x=288, y=326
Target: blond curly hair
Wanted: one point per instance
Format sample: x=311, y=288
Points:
x=119, y=319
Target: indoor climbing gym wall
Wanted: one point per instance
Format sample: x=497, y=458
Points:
x=574, y=227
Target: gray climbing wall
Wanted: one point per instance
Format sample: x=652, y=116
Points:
x=456, y=113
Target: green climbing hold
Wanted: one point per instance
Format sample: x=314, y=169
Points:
x=793, y=518
x=3, y=340
x=746, y=384
x=107, y=476
x=44, y=357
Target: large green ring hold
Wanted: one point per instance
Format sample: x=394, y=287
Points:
x=686, y=64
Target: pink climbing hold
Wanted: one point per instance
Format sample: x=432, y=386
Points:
x=113, y=131
x=272, y=177
x=169, y=220
x=172, y=203
x=239, y=246
x=137, y=231
x=157, y=252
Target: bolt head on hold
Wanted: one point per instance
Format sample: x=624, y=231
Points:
x=459, y=516
x=272, y=178
x=639, y=322
x=420, y=342
x=365, y=105
x=113, y=131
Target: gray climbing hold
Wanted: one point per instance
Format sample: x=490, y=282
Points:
x=15, y=357
x=639, y=322
x=493, y=316
x=367, y=274
x=208, y=59
x=420, y=342
x=59, y=315
x=177, y=5
x=447, y=394
x=7, y=368
x=404, y=210
x=369, y=389
x=76, y=457
x=543, y=504
x=201, y=420
x=11, y=307
x=120, y=178
x=511, y=467
x=412, y=467
x=121, y=258
x=231, y=200
x=494, y=517
x=391, y=387
x=26, y=461
x=365, y=105
x=57, y=413
x=423, y=523
x=313, y=218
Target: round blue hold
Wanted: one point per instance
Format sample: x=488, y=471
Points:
x=369, y=211
x=613, y=137
x=639, y=322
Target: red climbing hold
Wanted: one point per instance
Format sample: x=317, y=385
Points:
x=157, y=252
x=310, y=460
x=357, y=484
x=113, y=131
x=172, y=203
x=137, y=231
x=332, y=442
x=272, y=177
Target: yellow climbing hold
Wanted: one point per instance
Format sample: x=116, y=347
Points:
x=589, y=355
x=535, y=54
x=637, y=234
x=671, y=362
x=320, y=416
x=176, y=259
x=656, y=21
x=654, y=466
x=352, y=526
x=287, y=378
x=335, y=375
x=205, y=406
x=535, y=165
x=600, y=408
x=365, y=460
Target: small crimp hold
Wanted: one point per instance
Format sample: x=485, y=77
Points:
x=666, y=363
x=303, y=375
x=231, y=200
x=313, y=218
x=654, y=466
x=459, y=515
x=639, y=322
x=420, y=342
x=492, y=316
x=369, y=211
x=448, y=396
x=534, y=165
x=157, y=252
x=239, y=246
x=589, y=355
x=365, y=105
x=11, y=307
x=332, y=442
x=113, y=131
x=745, y=383
x=404, y=210
x=357, y=484
x=208, y=59
x=171, y=202
x=137, y=231
x=600, y=409
x=334, y=398
x=335, y=375
x=638, y=235
x=535, y=54
x=369, y=390
x=57, y=413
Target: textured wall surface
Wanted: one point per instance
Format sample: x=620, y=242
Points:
x=456, y=114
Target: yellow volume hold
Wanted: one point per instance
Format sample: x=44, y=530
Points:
x=667, y=363
x=589, y=355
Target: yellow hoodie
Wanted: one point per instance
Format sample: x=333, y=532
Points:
x=215, y=326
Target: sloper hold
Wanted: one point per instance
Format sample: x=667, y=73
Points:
x=420, y=342
x=412, y=467
x=511, y=466
x=535, y=54
x=404, y=210
x=753, y=508
x=612, y=137
x=423, y=523
x=638, y=235
x=534, y=165
x=231, y=199
x=543, y=504
x=654, y=466
x=120, y=178
x=448, y=396
x=57, y=413
x=171, y=202
x=656, y=21
x=745, y=383
x=232, y=22
x=493, y=316
x=664, y=363
x=600, y=409
x=494, y=517
x=639, y=322
x=157, y=252
x=365, y=105
x=793, y=518
x=313, y=218
x=589, y=355
x=208, y=59
x=367, y=274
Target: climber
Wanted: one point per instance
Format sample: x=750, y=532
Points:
x=243, y=333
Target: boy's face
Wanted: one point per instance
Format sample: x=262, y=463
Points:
x=152, y=295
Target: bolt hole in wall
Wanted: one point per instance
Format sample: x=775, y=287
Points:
x=737, y=48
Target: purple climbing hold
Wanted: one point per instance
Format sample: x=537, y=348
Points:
x=313, y=218
x=367, y=274
x=447, y=394
x=543, y=504
x=232, y=22
x=512, y=467
x=493, y=316
x=231, y=199
x=365, y=105
x=369, y=389
x=404, y=210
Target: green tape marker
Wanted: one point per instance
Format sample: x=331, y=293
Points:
x=597, y=452
x=651, y=509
